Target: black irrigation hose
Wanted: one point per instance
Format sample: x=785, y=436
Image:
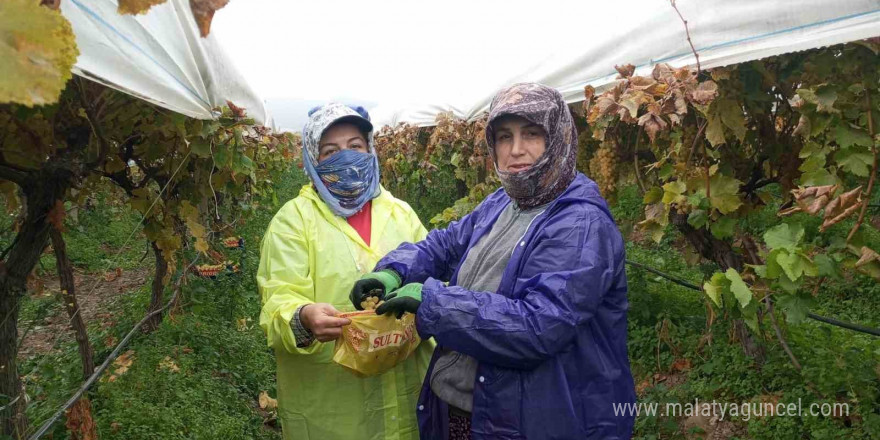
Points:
x=820, y=318
x=846, y=325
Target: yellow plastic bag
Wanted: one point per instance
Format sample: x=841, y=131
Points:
x=373, y=344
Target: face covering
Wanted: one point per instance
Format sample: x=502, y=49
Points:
x=555, y=169
x=347, y=180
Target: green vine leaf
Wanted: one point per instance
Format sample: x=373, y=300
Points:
x=847, y=136
x=856, y=160
x=795, y=306
x=724, y=193
x=784, y=236
x=739, y=288
x=723, y=227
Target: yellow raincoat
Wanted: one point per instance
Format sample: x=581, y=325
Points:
x=311, y=255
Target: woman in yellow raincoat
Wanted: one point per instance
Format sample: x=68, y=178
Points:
x=315, y=248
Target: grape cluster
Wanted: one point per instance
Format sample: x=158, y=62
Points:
x=371, y=303
x=604, y=169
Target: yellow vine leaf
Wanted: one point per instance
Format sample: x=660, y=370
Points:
x=135, y=7
x=38, y=50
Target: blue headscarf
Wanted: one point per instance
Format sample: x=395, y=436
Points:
x=349, y=179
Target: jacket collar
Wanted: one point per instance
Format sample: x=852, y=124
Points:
x=381, y=210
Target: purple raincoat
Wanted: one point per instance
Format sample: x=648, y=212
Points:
x=551, y=342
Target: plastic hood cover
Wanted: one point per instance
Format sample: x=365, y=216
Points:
x=159, y=57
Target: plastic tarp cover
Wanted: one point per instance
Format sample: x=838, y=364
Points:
x=724, y=32
x=160, y=57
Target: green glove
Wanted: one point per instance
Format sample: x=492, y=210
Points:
x=373, y=284
x=406, y=299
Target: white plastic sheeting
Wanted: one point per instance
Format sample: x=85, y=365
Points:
x=417, y=58
x=724, y=32
x=159, y=57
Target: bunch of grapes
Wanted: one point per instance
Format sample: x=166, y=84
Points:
x=211, y=270
x=604, y=168
x=371, y=303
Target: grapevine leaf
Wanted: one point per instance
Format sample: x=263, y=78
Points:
x=855, y=160
x=871, y=269
x=791, y=263
x=733, y=118
x=827, y=267
x=38, y=49
x=135, y=7
x=203, y=12
x=750, y=316
x=760, y=269
x=715, y=131
x=665, y=171
x=672, y=192
x=812, y=164
x=697, y=218
x=803, y=128
x=200, y=147
x=773, y=269
x=653, y=195
x=784, y=236
x=724, y=193
x=704, y=93
x=868, y=255
x=818, y=177
x=739, y=288
x=795, y=306
x=723, y=228
x=842, y=207
x=715, y=287
x=787, y=284
x=847, y=136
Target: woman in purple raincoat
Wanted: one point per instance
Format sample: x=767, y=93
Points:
x=531, y=327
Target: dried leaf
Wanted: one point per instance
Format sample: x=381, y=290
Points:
x=606, y=105
x=169, y=364
x=203, y=11
x=841, y=207
x=267, y=402
x=803, y=128
x=683, y=364
x=625, y=70
x=653, y=124
x=122, y=363
x=135, y=7
x=868, y=255
x=589, y=92
x=663, y=72
x=811, y=200
x=238, y=112
x=704, y=93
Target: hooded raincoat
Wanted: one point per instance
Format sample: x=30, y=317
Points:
x=551, y=342
x=309, y=255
